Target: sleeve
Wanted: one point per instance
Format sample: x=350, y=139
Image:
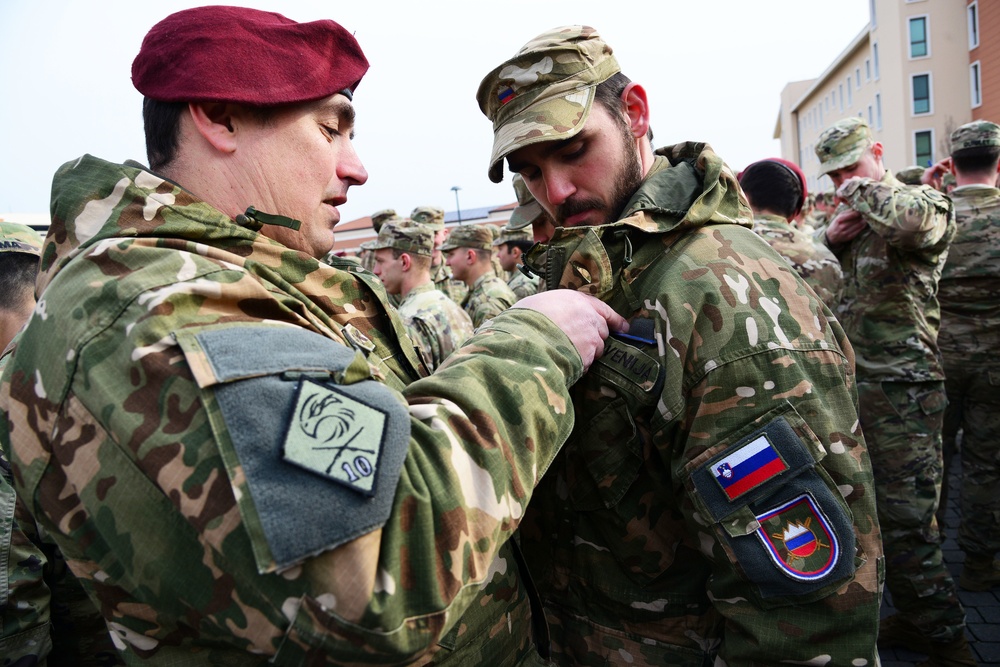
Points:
x=907, y=217
x=425, y=341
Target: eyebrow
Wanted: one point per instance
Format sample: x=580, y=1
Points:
x=547, y=148
x=341, y=108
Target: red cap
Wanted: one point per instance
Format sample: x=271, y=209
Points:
x=790, y=166
x=234, y=54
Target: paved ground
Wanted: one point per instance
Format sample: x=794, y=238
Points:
x=982, y=609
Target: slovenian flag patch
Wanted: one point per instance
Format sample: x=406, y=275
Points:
x=748, y=467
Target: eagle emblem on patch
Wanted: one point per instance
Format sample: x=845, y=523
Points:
x=799, y=539
x=335, y=435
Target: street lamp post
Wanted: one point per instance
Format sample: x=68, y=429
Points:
x=455, y=189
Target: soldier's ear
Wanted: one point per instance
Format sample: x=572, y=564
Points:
x=637, y=109
x=214, y=122
x=406, y=261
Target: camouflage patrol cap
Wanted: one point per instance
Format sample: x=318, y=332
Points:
x=431, y=216
x=507, y=235
x=546, y=91
x=469, y=236
x=412, y=238
x=528, y=209
x=379, y=218
x=842, y=144
x=15, y=237
x=910, y=175
x=977, y=134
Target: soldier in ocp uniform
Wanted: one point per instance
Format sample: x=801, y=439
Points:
x=714, y=503
x=437, y=325
x=510, y=246
x=469, y=253
x=892, y=240
x=776, y=190
x=433, y=217
x=229, y=439
x=969, y=293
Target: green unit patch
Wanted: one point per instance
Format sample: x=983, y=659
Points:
x=336, y=436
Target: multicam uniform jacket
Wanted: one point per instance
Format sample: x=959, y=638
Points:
x=488, y=297
x=521, y=285
x=717, y=498
x=438, y=326
x=812, y=261
x=229, y=442
x=891, y=270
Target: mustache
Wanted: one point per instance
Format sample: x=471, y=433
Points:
x=571, y=207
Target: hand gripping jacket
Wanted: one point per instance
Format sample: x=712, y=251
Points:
x=230, y=444
x=716, y=499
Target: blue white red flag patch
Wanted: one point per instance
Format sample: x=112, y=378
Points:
x=799, y=539
x=748, y=467
x=506, y=95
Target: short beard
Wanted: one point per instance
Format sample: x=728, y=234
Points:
x=626, y=181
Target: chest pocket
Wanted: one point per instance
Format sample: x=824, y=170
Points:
x=313, y=449
x=606, y=452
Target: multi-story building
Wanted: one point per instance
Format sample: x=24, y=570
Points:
x=918, y=70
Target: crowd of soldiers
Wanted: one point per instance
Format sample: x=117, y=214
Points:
x=667, y=414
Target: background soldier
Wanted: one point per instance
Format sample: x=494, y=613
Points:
x=776, y=190
x=892, y=240
x=433, y=217
x=469, y=254
x=437, y=325
x=970, y=338
x=510, y=247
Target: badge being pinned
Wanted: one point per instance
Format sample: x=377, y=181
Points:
x=748, y=467
x=336, y=436
x=799, y=539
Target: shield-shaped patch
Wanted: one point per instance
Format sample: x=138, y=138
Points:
x=799, y=539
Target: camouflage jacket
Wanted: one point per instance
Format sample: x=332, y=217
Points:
x=812, y=261
x=229, y=442
x=438, y=326
x=488, y=297
x=521, y=285
x=891, y=270
x=455, y=290
x=717, y=499
x=969, y=290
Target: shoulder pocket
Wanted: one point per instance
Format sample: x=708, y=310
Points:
x=313, y=453
x=787, y=526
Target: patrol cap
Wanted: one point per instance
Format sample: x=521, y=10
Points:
x=507, y=235
x=842, y=144
x=379, y=218
x=977, y=134
x=469, y=236
x=910, y=175
x=546, y=91
x=412, y=238
x=236, y=54
x=15, y=237
x=431, y=216
x=528, y=209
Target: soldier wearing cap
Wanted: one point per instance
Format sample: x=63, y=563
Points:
x=379, y=218
x=437, y=325
x=892, y=240
x=433, y=217
x=714, y=502
x=469, y=254
x=910, y=175
x=776, y=190
x=46, y=617
x=231, y=440
x=510, y=246
x=969, y=293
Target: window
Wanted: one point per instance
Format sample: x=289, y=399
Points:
x=871, y=120
x=875, y=58
x=868, y=69
x=923, y=143
x=878, y=111
x=857, y=77
x=871, y=12
x=972, y=11
x=920, y=85
x=850, y=93
x=975, y=84
x=919, y=44
x=841, y=96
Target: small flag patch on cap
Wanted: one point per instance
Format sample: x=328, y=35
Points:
x=506, y=95
x=748, y=467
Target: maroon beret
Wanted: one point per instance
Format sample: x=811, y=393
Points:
x=234, y=54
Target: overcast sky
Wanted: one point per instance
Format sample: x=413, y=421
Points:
x=714, y=71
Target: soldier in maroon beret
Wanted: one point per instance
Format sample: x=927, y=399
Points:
x=233, y=442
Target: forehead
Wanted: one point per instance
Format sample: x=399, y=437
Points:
x=596, y=125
